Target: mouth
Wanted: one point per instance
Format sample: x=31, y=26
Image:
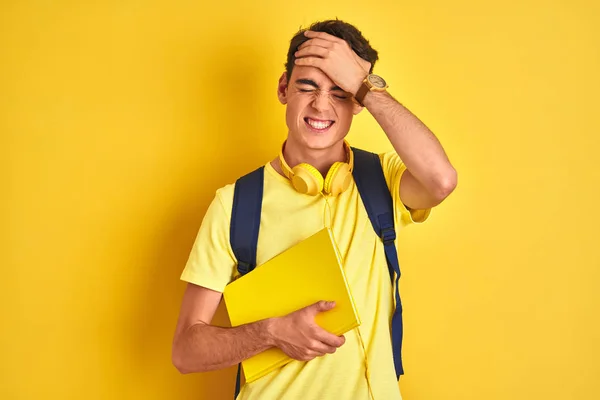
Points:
x=318, y=125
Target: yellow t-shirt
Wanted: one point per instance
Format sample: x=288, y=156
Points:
x=287, y=218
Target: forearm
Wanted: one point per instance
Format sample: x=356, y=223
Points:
x=204, y=347
x=416, y=145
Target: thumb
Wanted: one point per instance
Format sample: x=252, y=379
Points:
x=322, y=306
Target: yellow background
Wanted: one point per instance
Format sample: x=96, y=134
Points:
x=119, y=119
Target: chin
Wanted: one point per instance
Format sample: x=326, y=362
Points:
x=319, y=142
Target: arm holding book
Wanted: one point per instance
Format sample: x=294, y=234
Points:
x=199, y=346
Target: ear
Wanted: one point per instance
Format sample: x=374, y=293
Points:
x=282, y=89
x=356, y=108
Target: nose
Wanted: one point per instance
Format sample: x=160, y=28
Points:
x=320, y=101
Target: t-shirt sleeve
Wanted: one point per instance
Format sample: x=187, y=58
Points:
x=211, y=262
x=393, y=168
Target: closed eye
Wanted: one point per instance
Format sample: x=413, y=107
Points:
x=340, y=97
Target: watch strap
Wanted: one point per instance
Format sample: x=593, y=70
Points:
x=362, y=92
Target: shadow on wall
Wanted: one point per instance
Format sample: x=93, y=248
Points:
x=226, y=140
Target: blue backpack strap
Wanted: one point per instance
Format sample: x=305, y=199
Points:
x=244, y=227
x=376, y=197
x=245, y=219
x=237, y=382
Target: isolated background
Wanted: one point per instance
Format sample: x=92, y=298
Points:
x=120, y=119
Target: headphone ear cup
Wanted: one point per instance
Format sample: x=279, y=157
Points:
x=307, y=179
x=338, y=178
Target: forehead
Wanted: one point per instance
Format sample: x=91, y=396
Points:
x=312, y=73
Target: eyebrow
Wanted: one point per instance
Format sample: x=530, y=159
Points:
x=312, y=83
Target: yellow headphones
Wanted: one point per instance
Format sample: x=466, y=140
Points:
x=307, y=179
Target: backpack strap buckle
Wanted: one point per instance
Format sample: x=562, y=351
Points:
x=388, y=235
x=244, y=267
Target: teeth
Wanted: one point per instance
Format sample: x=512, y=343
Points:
x=319, y=124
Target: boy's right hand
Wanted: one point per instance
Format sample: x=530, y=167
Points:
x=298, y=335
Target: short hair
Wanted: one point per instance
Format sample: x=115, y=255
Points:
x=340, y=29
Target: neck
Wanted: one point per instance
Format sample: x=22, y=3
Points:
x=321, y=159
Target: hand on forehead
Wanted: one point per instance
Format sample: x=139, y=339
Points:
x=335, y=58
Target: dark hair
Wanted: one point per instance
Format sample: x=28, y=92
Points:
x=337, y=28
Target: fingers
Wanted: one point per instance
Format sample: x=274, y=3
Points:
x=309, y=355
x=309, y=61
x=321, y=348
x=312, y=51
x=321, y=306
x=317, y=42
x=322, y=35
x=315, y=349
x=329, y=338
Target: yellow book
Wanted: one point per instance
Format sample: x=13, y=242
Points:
x=306, y=273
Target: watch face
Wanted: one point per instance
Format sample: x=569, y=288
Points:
x=377, y=81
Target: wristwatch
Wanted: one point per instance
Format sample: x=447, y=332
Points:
x=371, y=83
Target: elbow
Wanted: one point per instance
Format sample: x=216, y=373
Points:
x=446, y=184
x=181, y=363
